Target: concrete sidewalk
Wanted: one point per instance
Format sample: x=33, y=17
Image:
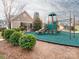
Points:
x=1, y=39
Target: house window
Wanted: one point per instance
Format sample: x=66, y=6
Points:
x=4, y=23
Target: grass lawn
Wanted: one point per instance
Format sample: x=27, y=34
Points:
x=1, y=57
x=0, y=36
x=77, y=27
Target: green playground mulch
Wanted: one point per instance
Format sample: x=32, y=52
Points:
x=62, y=38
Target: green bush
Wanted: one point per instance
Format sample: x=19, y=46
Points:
x=17, y=29
x=22, y=28
x=7, y=33
x=2, y=34
x=27, y=41
x=14, y=38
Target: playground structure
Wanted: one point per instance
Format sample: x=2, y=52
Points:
x=53, y=27
x=69, y=37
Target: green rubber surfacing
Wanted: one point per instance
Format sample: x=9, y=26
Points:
x=62, y=38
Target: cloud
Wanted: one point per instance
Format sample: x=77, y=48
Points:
x=44, y=7
x=65, y=6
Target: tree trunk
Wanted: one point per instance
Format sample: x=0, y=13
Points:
x=9, y=24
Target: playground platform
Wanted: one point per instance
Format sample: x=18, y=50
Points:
x=62, y=38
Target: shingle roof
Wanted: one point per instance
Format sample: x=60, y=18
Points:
x=24, y=12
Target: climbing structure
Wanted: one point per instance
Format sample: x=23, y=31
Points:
x=52, y=27
x=52, y=23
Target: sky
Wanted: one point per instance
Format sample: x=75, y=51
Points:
x=44, y=7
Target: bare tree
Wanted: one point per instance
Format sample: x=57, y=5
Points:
x=12, y=7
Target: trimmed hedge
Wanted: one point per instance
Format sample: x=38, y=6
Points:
x=27, y=41
x=7, y=33
x=18, y=38
x=13, y=29
x=14, y=38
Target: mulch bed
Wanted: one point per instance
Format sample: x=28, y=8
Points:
x=42, y=50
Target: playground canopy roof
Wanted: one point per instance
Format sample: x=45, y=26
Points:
x=52, y=14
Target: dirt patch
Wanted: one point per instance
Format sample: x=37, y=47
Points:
x=42, y=50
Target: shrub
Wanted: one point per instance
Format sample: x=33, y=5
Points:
x=7, y=33
x=14, y=38
x=22, y=28
x=17, y=29
x=2, y=34
x=27, y=41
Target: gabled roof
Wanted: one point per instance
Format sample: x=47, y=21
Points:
x=24, y=12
